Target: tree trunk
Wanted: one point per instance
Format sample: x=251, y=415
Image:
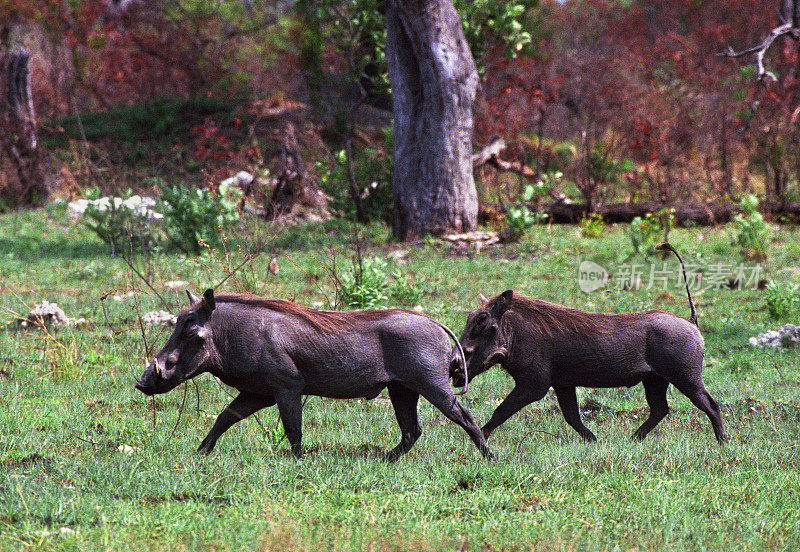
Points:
x=434, y=80
x=24, y=184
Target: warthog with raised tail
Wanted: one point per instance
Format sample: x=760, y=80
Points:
x=542, y=345
x=276, y=351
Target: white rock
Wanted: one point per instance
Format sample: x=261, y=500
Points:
x=176, y=285
x=784, y=337
x=159, y=318
x=48, y=314
x=244, y=178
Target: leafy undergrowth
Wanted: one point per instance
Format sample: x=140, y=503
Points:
x=88, y=463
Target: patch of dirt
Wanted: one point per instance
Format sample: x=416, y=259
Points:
x=28, y=461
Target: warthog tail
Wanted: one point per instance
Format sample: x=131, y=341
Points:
x=664, y=246
x=462, y=357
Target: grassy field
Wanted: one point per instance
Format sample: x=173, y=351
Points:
x=88, y=463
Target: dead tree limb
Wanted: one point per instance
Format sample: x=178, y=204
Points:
x=490, y=155
x=790, y=19
x=761, y=50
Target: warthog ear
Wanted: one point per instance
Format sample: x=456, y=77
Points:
x=503, y=302
x=192, y=297
x=208, y=300
x=482, y=300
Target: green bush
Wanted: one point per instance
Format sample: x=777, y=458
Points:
x=371, y=285
x=593, y=226
x=782, y=300
x=644, y=231
x=369, y=166
x=518, y=217
x=749, y=230
x=126, y=224
x=195, y=215
x=161, y=118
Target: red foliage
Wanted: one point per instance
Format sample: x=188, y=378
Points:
x=618, y=81
x=644, y=82
x=210, y=143
x=110, y=54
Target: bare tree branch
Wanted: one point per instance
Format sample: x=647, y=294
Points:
x=787, y=28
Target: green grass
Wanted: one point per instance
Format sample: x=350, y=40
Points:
x=67, y=405
x=162, y=118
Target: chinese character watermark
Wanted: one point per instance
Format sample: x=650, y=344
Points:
x=635, y=276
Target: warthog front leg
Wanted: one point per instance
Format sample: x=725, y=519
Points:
x=241, y=407
x=404, y=401
x=447, y=403
x=521, y=396
x=568, y=402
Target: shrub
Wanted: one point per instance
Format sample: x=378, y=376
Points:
x=644, y=231
x=593, y=226
x=369, y=165
x=749, y=230
x=782, y=299
x=195, y=215
x=124, y=224
x=518, y=217
x=371, y=285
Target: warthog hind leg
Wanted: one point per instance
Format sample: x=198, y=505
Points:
x=701, y=398
x=450, y=407
x=290, y=408
x=404, y=401
x=655, y=390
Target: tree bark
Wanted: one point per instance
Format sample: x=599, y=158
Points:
x=434, y=80
x=25, y=185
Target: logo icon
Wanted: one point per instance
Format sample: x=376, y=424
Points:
x=591, y=276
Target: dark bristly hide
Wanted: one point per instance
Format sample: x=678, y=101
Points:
x=274, y=352
x=542, y=345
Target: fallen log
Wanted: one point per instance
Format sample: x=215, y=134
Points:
x=699, y=214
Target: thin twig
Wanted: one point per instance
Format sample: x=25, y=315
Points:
x=531, y=432
x=94, y=444
x=180, y=413
x=250, y=258
x=141, y=328
x=197, y=392
x=145, y=280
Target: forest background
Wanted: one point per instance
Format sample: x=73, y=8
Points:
x=615, y=101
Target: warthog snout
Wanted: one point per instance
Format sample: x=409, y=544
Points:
x=159, y=377
x=147, y=383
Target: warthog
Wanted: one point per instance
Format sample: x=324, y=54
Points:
x=275, y=351
x=542, y=345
